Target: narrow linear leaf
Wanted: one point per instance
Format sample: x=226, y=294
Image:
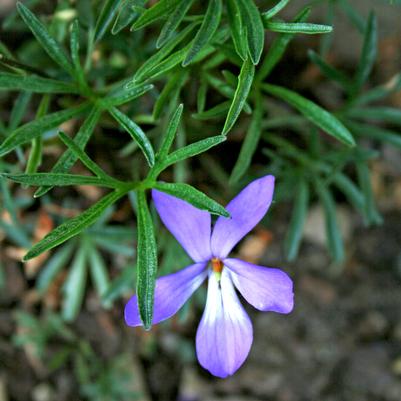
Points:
x=255, y=32
x=146, y=261
x=350, y=190
x=206, y=31
x=53, y=266
x=294, y=234
x=98, y=271
x=333, y=234
x=318, y=116
x=193, y=149
x=105, y=18
x=127, y=94
x=170, y=92
x=297, y=27
x=238, y=32
x=152, y=14
x=173, y=21
x=193, y=196
x=38, y=127
x=85, y=159
x=136, y=133
x=371, y=212
x=68, y=158
x=164, y=52
x=378, y=113
x=74, y=48
x=126, y=15
x=250, y=143
x=278, y=47
x=275, y=10
x=245, y=80
x=34, y=84
x=328, y=71
x=369, y=52
x=218, y=111
x=49, y=44
x=74, y=287
x=73, y=226
x=19, y=110
x=170, y=134
x=38, y=179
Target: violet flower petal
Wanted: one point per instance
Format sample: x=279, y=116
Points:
x=189, y=225
x=264, y=288
x=171, y=292
x=246, y=210
x=224, y=335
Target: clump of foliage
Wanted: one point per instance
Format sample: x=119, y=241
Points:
x=199, y=77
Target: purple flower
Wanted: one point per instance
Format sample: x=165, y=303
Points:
x=225, y=334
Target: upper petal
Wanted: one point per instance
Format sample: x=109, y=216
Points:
x=265, y=288
x=189, y=225
x=171, y=292
x=224, y=335
x=246, y=210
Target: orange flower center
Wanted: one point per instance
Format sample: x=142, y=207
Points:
x=217, y=265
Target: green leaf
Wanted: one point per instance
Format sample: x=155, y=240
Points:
x=68, y=158
x=146, y=261
x=164, y=52
x=371, y=213
x=152, y=14
x=193, y=196
x=192, y=150
x=98, y=271
x=126, y=94
x=73, y=226
x=19, y=110
x=36, y=128
x=350, y=190
x=49, y=179
x=278, y=47
x=328, y=71
x=297, y=27
x=238, y=32
x=380, y=113
x=126, y=15
x=74, y=287
x=171, y=131
x=74, y=48
x=136, y=133
x=369, y=52
x=333, y=234
x=173, y=21
x=374, y=132
x=105, y=18
x=49, y=44
x=34, y=84
x=206, y=31
x=274, y=10
x=253, y=24
x=53, y=266
x=218, y=111
x=170, y=92
x=245, y=80
x=294, y=234
x=250, y=143
x=318, y=116
x=84, y=158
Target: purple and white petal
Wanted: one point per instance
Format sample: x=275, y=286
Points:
x=189, y=225
x=246, y=210
x=225, y=334
x=264, y=288
x=171, y=292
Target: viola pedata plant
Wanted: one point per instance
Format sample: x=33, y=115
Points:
x=135, y=97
